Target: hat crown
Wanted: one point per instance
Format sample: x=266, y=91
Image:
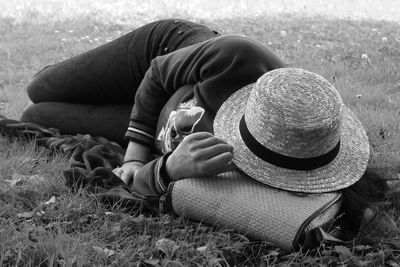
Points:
x=295, y=113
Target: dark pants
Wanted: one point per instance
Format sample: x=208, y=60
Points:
x=93, y=93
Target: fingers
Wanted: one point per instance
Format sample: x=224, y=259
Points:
x=226, y=168
x=213, y=165
x=198, y=155
x=117, y=172
x=219, y=161
x=213, y=151
x=127, y=176
x=209, y=141
x=203, y=140
x=229, y=167
x=199, y=135
x=209, y=147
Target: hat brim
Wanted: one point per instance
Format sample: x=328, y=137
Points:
x=346, y=169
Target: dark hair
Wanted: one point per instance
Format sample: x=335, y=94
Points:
x=365, y=193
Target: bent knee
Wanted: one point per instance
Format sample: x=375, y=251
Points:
x=39, y=85
x=33, y=113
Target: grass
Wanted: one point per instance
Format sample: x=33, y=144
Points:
x=359, y=57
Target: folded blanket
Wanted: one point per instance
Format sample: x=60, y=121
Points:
x=91, y=161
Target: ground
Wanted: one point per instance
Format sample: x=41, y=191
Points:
x=42, y=222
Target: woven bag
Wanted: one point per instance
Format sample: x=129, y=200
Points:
x=234, y=200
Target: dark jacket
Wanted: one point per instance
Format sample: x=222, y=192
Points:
x=203, y=75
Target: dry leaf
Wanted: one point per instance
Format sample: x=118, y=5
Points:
x=105, y=251
x=30, y=214
x=392, y=264
x=36, y=179
x=109, y=252
x=201, y=249
x=326, y=237
x=19, y=179
x=172, y=264
x=344, y=252
x=273, y=253
x=152, y=262
x=52, y=200
x=16, y=179
x=27, y=214
x=167, y=246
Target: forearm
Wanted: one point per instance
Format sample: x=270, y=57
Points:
x=137, y=152
x=150, y=98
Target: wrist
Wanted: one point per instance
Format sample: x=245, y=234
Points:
x=133, y=160
x=137, y=152
x=164, y=179
x=169, y=168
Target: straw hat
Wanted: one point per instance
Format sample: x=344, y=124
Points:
x=290, y=130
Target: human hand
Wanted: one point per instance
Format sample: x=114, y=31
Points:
x=198, y=155
x=127, y=171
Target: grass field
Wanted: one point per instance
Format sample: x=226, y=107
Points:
x=361, y=58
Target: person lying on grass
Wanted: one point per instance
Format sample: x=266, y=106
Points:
x=163, y=84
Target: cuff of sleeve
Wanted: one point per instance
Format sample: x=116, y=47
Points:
x=140, y=133
x=162, y=178
x=137, y=139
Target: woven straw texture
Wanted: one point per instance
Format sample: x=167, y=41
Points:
x=298, y=114
x=234, y=200
x=324, y=216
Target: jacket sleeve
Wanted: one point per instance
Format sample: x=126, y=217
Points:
x=163, y=79
x=216, y=69
x=149, y=100
x=151, y=179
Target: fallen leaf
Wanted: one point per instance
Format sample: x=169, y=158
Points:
x=52, y=200
x=36, y=179
x=310, y=261
x=344, y=252
x=19, y=179
x=15, y=180
x=273, y=253
x=30, y=214
x=105, y=251
x=392, y=264
x=116, y=227
x=201, y=249
x=152, y=262
x=326, y=237
x=109, y=252
x=172, y=264
x=365, y=263
x=167, y=246
x=27, y=214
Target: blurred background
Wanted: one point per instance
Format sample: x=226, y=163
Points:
x=134, y=12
